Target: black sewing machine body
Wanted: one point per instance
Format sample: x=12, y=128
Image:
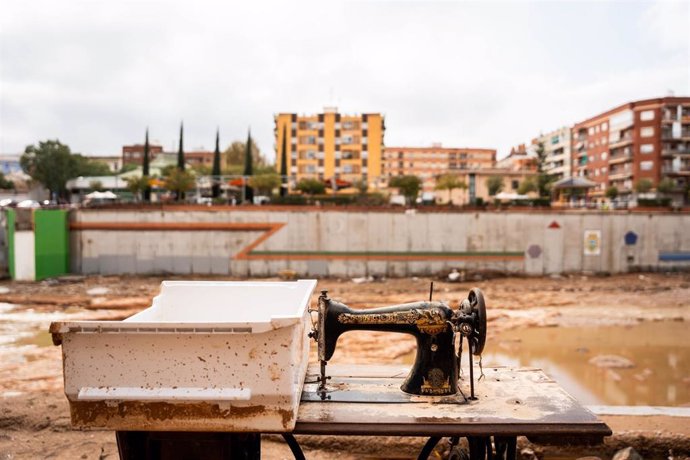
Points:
x=435, y=371
x=434, y=325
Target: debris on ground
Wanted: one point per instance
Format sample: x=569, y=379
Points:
x=627, y=454
x=611, y=362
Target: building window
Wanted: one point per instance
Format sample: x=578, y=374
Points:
x=603, y=156
x=515, y=184
x=646, y=165
x=647, y=115
x=647, y=131
x=647, y=148
x=590, y=131
x=604, y=126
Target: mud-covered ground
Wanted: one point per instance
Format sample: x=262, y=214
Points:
x=34, y=414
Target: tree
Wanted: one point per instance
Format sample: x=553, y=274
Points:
x=643, y=186
x=137, y=185
x=265, y=183
x=215, y=172
x=283, y=165
x=202, y=170
x=236, y=153
x=666, y=186
x=248, y=166
x=361, y=185
x=85, y=167
x=127, y=167
x=311, y=187
x=180, y=190
x=180, y=150
x=527, y=185
x=541, y=157
x=96, y=185
x=167, y=170
x=408, y=185
x=145, y=168
x=494, y=184
x=449, y=182
x=544, y=180
x=179, y=182
x=612, y=192
x=51, y=163
x=5, y=184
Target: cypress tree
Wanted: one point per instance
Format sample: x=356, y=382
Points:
x=180, y=152
x=248, y=191
x=145, y=168
x=216, y=167
x=180, y=159
x=283, y=165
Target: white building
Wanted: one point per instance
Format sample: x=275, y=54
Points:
x=557, y=148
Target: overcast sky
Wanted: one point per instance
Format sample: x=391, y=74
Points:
x=488, y=74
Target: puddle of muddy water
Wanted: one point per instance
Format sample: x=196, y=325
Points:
x=38, y=339
x=660, y=352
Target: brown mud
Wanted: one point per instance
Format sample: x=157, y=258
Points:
x=35, y=416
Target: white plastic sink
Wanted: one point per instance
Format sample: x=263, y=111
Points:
x=206, y=356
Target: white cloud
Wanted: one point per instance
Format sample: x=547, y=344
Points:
x=475, y=74
x=667, y=24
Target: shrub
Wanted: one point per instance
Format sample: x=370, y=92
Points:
x=289, y=199
x=654, y=202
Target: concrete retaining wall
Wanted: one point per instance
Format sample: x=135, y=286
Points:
x=257, y=242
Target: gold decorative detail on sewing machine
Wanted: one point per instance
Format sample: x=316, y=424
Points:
x=435, y=383
x=430, y=321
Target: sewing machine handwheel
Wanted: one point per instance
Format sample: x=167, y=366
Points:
x=476, y=298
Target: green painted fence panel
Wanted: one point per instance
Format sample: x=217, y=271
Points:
x=51, y=233
x=10, y=241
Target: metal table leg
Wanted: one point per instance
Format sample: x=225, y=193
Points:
x=428, y=447
x=294, y=446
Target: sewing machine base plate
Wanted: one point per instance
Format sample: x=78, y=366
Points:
x=366, y=390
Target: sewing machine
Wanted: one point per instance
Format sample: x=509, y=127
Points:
x=434, y=324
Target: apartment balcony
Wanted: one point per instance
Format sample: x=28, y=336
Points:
x=619, y=175
x=685, y=119
x=675, y=152
x=627, y=140
x=620, y=158
x=667, y=135
x=671, y=171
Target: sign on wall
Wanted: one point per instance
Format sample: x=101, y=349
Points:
x=592, y=242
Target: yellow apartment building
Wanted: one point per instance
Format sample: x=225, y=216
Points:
x=330, y=145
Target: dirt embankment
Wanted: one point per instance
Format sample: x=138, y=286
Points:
x=34, y=415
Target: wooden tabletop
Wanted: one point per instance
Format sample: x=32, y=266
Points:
x=367, y=400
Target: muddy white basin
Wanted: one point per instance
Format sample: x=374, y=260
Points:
x=206, y=356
